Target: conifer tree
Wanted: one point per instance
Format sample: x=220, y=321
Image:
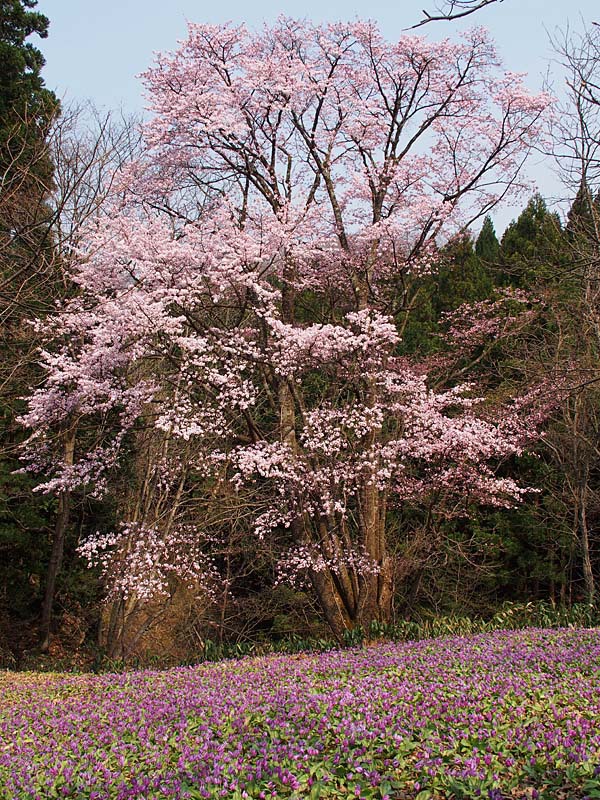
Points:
x=487, y=246
x=463, y=276
x=532, y=246
x=28, y=273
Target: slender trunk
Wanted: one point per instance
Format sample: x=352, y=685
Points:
x=113, y=634
x=287, y=414
x=588, y=575
x=285, y=396
x=224, y=602
x=109, y=622
x=563, y=591
x=584, y=544
x=58, y=546
x=331, y=603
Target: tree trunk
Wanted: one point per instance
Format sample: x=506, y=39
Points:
x=114, y=629
x=58, y=546
x=584, y=544
x=332, y=603
x=375, y=600
x=351, y=597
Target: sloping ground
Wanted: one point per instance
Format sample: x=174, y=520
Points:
x=508, y=714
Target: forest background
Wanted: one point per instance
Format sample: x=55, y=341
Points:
x=533, y=292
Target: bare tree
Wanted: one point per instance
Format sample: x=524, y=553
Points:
x=47, y=192
x=574, y=440
x=576, y=123
x=52, y=181
x=87, y=151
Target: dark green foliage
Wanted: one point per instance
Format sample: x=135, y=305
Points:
x=23, y=518
x=420, y=322
x=584, y=215
x=532, y=249
x=474, y=563
x=461, y=277
x=27, y=109
x=464, y=276
x=30, y=282
x=487, y=246
x=22, y=91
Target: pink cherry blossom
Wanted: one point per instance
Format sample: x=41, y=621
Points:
x=243, y=294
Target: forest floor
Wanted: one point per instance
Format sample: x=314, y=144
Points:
x=508, y=714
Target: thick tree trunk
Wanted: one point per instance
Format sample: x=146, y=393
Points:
x=375, y=601
x=343, y=612
x=354, y=596
x=349, y=596
x=58, y=546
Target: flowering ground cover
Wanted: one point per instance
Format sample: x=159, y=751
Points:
x=502, y=715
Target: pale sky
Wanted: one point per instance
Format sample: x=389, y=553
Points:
x=95, y=49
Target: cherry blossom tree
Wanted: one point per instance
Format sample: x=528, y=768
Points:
x=247, y=288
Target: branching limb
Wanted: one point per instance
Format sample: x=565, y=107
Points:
x=454, y=9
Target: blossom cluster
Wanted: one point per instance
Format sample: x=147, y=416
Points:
x=144, y=560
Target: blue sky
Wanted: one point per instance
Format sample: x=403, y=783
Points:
x=95, y=50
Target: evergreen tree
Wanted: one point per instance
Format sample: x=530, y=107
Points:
x=28, y=273
x=463, y=276
x=532, y=248
x=27, y=108
x=583, y=219
x=487, y=246
x=22, y=91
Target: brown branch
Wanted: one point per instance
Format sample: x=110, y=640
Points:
x=454, y=9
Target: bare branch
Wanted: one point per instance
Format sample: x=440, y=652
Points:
x=453, y=9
